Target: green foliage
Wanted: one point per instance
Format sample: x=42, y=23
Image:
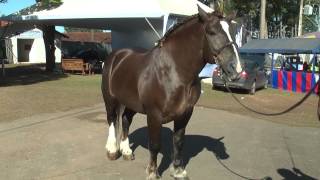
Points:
x=309, y=24
x=282, y=15
x=49, y=3
x=3, y=1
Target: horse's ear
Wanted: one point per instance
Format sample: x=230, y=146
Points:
x=231, y=16
x=203, y=16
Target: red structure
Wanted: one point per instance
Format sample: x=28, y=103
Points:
x=292, y=79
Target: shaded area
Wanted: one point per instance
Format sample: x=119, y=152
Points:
x=194, y=144
x=28, y=74
x=294, y=174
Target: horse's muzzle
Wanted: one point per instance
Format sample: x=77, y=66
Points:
x=232, y=73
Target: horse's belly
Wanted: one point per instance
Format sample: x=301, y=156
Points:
x=127, y=95
x=132, y=103
x=182, y=103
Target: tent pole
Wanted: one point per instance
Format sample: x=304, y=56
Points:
x=271, y=80
x=165, y=22
x=155, y=31
x=313, y=63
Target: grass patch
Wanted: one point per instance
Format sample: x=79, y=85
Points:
x=38, y=92
x=266, y=100
x=31, y=91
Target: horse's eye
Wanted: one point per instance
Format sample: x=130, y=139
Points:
x=210, y=29
x=211, y=32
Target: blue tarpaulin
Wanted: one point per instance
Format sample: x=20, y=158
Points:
x=207, y=71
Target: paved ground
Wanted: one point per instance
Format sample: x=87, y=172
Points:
x=70, y=145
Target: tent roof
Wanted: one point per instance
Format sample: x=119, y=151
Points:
x=102, y=14
x=283, y=46
x=75, y=9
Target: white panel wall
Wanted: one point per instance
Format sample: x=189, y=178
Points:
x=37, y=53
x=14, y=42
x=139, y=36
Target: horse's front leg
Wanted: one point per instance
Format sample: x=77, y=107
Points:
x=178, y=169
x=124, y=144
x=154, y=130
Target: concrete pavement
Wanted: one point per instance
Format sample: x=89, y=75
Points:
x=219, y=145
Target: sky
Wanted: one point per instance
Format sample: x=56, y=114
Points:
x=14, y=5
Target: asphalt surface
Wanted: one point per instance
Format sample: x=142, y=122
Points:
x=219, y=145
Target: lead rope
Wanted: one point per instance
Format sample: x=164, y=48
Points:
x=271, y=114
x=216, y=55
x=268, y=114
x=239, y=175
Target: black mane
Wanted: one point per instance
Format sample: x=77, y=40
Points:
x=179, y=24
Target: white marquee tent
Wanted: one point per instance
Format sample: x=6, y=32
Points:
x=128, y=20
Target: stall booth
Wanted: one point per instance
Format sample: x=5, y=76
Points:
x=294, y=62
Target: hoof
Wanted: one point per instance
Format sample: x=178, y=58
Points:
x=179, y=173
x=128, y=157
x=153, y=176
x=113, y=156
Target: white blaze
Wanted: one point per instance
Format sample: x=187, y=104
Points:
x=225, y=27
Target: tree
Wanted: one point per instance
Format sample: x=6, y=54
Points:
x=263, y=23
x=300, y=18
x=310, y=23
x=49, y=3
x=48, y=34
x=3, y=1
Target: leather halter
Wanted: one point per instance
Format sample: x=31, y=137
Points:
x=218, y=52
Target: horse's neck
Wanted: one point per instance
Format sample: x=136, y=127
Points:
x=188, y=50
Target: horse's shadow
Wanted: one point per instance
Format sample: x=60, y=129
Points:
x=194, y=144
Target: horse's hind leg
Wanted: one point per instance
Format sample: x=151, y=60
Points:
x=124, y=144
x=112, y=108
x=177, y=170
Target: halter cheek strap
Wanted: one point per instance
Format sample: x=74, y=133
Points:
x=216, y=53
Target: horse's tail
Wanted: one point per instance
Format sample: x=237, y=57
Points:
x=106, y=74
x=112, y=105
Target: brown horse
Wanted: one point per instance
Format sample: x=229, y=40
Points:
x=163, y=83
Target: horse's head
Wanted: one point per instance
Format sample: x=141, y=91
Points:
x=219, y=42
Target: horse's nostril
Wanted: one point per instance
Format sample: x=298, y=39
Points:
x=232, y=66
